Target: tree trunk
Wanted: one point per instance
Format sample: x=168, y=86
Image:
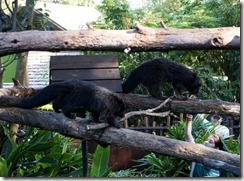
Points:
x=21, y=72
x=191, y=106
x=123, y=137
x=1, y=73
x=134, y=40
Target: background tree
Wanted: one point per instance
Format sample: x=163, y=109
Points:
x=90, y=3
x=219, y=70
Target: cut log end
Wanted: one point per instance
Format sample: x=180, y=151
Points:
x=217, y=41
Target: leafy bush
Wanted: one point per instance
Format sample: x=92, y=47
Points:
x=182, y=14
x=48, y=154
x=166, y=166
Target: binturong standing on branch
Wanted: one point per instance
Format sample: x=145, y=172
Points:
x=71, y=94
x=153, y=73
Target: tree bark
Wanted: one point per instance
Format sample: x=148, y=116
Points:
x=21, y=72
x=190, y=106
x=123, y=137
x=1, y=73
x=134, y=40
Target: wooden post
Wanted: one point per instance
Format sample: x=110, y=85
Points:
x=126, y=123
x=168, y=121
x=161, y=131
x=139, y=122
x=154, y=125
x=146, y=123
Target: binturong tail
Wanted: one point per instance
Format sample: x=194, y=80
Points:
x=43, y=97
x=131, y=82
x=10, y=101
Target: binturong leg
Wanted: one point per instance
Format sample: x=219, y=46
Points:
x=113, y=122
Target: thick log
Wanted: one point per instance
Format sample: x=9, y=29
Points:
x=190, y=106
x=134, y=40
x=223, y=38
x=123, y=137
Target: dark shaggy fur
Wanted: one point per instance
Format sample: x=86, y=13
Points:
x=153, y=73
x=72, y=94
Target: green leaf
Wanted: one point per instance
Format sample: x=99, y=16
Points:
x=74, y=173
x=49, y=160
x=3, y=168
x=100, y=162
x=20, y=172
x=154, y=160
x=7, y=148
x=20, y=152
x=56, y=156
x=107, y=172
x=42, y=146
x=77, y=161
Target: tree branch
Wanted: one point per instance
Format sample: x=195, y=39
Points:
x=122, y=137
x=190, y=106
x=148, y=112
x=137, y=40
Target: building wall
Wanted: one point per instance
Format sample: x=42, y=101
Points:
x=38, y=68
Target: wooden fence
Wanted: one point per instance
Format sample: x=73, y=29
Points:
x=147, y=124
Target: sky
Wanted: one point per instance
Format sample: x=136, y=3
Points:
x=133, y=3
x=60, y=13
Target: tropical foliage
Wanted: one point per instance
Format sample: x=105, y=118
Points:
x=219, y=69
x=47, y=154
x=166, y=166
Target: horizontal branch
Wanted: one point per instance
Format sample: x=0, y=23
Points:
x=148, y=112
x=133, y=40
x=190, y=106
x=122, y=137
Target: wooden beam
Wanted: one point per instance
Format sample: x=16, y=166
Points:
x=132, y=40
x=76, y=128
x=191, y=106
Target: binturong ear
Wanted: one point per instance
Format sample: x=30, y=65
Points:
x=16, y=82
x=31, y=92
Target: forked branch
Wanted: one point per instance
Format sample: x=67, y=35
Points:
x=148, y=112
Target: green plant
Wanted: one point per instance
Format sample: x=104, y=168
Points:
x=115, y=15
x=231, y=145
x=3, y=168
x=47, y=154
x=166, y=166
x=176, y=131
x=162, y=166
x=99, y=166
x=214, y=67
x=126, y=173
x=35, y=155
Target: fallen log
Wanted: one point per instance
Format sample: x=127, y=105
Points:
x=132, y=40
x=190, y=106
x=76, y=128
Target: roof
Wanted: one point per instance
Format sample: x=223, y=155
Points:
x=68, y=16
